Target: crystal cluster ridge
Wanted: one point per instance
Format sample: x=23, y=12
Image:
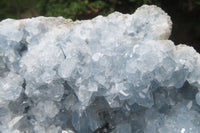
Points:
x=114, y=74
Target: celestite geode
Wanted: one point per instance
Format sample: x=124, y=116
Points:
x=114, y=74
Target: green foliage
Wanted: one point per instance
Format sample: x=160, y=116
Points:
x=70, y=9
x=4, y=9
x=74, y=9
x=14, y=8
x=197, y=2
x=79, y=9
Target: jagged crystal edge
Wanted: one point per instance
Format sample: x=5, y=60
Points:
x=118, y=74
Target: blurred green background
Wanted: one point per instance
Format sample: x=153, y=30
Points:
x=185, y=14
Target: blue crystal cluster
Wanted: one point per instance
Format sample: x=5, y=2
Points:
x=114, y=74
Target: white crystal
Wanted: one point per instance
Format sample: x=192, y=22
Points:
x=198, y=98
x=10, y=87
x=118, y=73
x=43, y=110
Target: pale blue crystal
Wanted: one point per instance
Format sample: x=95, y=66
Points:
x=114, y=74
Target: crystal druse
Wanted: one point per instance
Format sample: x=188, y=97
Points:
x=114, y=74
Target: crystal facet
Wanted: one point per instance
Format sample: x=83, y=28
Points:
x=114, y=74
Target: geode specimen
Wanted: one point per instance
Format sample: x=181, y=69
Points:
x=114, y=74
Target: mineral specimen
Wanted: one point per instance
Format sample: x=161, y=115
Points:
x=114, y=74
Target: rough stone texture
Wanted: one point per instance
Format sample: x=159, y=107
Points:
x=114, y=74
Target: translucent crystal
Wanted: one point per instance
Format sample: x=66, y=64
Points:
x=198, y=98
x=122, y=128
x=114, y=74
